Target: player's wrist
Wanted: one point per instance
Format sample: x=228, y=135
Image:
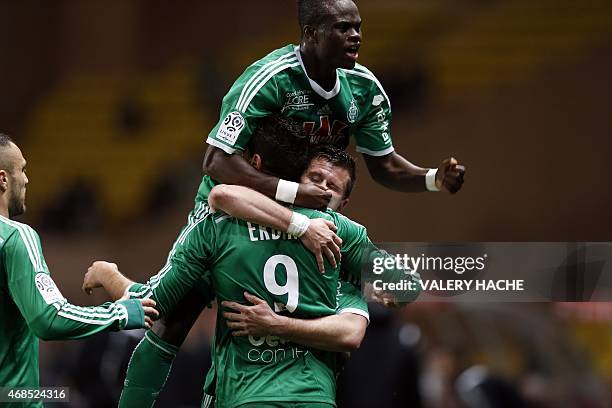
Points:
x=298, y=225
x=281, y=326
x=286, y=191
x=430, y=180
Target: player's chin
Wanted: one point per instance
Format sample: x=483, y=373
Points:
x=348, y=63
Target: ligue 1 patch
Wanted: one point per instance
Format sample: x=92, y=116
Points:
x=378, y=99
x=230, y=128
x=353, y=112
x=47, y=288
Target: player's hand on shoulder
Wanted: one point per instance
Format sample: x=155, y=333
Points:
x=320, y=238
x=95, y=275
x=312, y=196
x=450, y=175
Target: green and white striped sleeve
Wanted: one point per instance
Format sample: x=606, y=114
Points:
x=349, y=300
x=48, y=314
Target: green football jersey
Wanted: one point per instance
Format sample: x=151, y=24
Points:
x=348, y=300
x=240, y=256
x=32, y=307
x=278, y=83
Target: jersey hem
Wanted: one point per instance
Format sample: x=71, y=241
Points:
x=322, y=400
x=376, y=153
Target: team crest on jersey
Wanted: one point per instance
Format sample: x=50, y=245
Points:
x=231, y=127
x=353, y=112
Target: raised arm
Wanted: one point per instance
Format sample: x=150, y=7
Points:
x=318, y=235
x=395, y=172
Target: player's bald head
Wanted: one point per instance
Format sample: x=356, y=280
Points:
x=8, y=151
x=315, y=12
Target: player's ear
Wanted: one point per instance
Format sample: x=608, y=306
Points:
x=3, y=180
x=309, y=33
x=256, y=161
x=342, y=204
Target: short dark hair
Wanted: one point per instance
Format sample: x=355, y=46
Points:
x=339, y=158
x=5, y=140
x=283, y=146
x=313, y=12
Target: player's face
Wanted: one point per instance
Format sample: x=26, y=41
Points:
x=17, y=182
x=332, y=178
x=341, y=36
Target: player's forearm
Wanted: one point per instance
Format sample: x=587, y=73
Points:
x=75, y=322
x=336, y=333
x=234, y=169
x=395, y=172
x=250, y=205
x=115, y=284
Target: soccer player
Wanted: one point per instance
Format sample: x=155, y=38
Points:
x=31, y=306
x=332, y=169
x=319, y=84
x=307, y=375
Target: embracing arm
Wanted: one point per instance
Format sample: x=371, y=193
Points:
x=234, y=169
x=342, y=332
x=318, y=235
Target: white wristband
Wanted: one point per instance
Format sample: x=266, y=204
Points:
x=430, y=180
x=286, y=191
x=298, y=225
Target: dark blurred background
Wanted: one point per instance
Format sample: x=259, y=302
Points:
x=111, y=102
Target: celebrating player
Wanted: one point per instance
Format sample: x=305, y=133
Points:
x=32, y=306
x=325, y=170
x=319, y=84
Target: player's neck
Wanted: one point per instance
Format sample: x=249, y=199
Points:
x=4, y=208
x=321, y=73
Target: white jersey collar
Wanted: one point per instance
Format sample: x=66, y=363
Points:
x=316, y=87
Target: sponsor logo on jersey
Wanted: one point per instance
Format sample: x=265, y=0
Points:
x=384, y=124
x=230, y=128
x=378, y=99
x=47, y=288
x=297, y=100
x=273, y=349
x=326, y=133
x=353, y=112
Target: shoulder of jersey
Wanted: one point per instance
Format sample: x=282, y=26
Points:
x=260, y=73
x=9, y=227
x=362, y=73
x=344, y=218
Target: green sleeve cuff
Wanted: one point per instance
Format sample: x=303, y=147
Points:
x=135, y=314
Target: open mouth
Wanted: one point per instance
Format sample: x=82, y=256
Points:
x=353, y=51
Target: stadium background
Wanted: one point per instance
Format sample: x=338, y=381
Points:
x=111, y=102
